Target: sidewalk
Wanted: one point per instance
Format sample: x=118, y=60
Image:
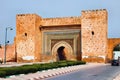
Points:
x=10, y=64
x=40, y=75
x=117, y=77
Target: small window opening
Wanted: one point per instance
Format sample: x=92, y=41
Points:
x=25, y=34
x=92, y=32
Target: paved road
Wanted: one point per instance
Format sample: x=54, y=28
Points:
x=100, y=72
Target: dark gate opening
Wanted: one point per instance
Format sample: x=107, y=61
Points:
x=116, y=52
x=61, y=53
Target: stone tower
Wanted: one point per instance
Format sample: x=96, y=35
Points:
x=27, y=32
x=94, y=35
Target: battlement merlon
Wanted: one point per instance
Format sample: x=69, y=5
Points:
x=28, y=17
x=25, y=18
x=93, y=11
x=23, y=15
x=92, y=14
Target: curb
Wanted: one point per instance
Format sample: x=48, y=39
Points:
x=41, y=75
x=44, y=74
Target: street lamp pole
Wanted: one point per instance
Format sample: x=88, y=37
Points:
x=6, y=42
x=0, y=46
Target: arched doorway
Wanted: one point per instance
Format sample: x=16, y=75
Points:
x=116, y=51
x=112, y=43
x=62, y=51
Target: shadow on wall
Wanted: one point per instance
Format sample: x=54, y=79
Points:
x=61, y=53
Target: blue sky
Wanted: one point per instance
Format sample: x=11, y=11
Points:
x=56, y=8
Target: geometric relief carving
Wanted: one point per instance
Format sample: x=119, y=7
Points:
x=51, y=38
x=54, y=41
x=68, y=48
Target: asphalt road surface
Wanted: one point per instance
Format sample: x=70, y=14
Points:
x=101, y=72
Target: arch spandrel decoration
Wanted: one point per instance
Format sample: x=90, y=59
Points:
x=69, y=41
x=58, y=45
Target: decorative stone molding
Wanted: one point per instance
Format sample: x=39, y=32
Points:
x=61, y=21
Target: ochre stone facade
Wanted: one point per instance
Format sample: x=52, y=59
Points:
x=67, y=38
x=94, y=35
x=10, y=53
x=37, y=38
x=28, y=37
x=112, y=43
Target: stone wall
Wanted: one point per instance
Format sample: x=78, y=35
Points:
x=26, y=36
x=94, y=35
x=58, y=28
x=29, y=34
x=32, y=41
x=38, y=39
x=112, y=43
x=61, y=21
x=10, y=53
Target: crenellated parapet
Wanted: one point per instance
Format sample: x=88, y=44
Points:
x=94, y=13
x=48, y=21
x=25, y=18
x=97, y=10
x=26, y=15
x=61, y=21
